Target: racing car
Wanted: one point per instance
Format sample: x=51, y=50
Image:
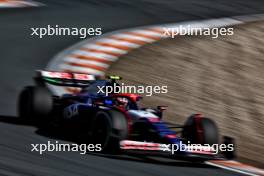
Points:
x=116, y=121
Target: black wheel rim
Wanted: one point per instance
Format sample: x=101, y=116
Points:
x=101, y=133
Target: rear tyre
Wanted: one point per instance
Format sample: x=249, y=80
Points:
x=34, y=103
x=200, y=130
x=108, y=129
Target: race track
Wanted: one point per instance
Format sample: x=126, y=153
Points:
x=21, y=54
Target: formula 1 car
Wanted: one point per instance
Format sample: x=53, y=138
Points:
x=116, y=121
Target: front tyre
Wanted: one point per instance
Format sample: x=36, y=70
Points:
x=200, y=130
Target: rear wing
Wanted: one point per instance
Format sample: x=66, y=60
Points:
x=64, y=78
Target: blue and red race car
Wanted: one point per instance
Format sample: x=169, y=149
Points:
x=117, y=121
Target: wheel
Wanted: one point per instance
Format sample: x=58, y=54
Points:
x=108, y=129
x=34, y=102
x=200, y=130
x=229, y=154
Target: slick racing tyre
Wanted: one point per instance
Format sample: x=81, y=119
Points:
x=109, y=128
x=200, y=130
x=229, y=154
x=34, y=103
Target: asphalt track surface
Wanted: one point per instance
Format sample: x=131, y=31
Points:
x=21, y=54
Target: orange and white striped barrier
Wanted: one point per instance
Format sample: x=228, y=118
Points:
x=18, y=4
x=94, y=56
x=237, y=167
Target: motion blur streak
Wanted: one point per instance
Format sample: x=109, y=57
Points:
x=18, y=4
